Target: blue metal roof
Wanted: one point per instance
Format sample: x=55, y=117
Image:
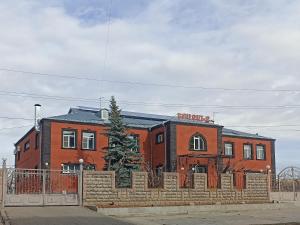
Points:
x=83, y=114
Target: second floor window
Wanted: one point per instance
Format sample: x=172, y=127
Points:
x=135, y=139
x=27, y=146
x=247, y=151
x=88, y=140
x=228, y=149
x=197, y=143
x=159, y=138
x=260, y=152
x=69, y=139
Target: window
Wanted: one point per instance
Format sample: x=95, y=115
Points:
x=88, y=140
x=18, y=155
x=27, y=146
x=260, y=152
x=37, y=141
x=247, y=151
x=70, y=168
x=135, y=145
x=197, y=143
x=69, y=139
x=159, y=138
x=89, y=167
x=228, y=149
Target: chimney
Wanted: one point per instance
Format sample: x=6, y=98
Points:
x=104, y=114
x=37, y=116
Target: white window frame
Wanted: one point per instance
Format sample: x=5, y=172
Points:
x=70, y=168
x=68, y=138
x=160, y=138
x=200, y=141
x=227, y=149
x=86, y=140
x=248, y=152
x=260, y=151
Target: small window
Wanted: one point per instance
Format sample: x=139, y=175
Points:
x=159, y=138
x=260, y=152
x=89, y=167
x=88, y=140
x=69, y=139
x=135, y=145
x=27, y=146
x=70, y=168
x=37, y=140
x=228, y=149
x=197, y=143
x=247, y=151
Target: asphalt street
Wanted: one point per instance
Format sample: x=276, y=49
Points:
x=58, y=216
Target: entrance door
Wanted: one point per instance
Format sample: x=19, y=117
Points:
x=35, y=187
x=199, y=168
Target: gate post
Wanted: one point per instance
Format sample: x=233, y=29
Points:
x=80, y=183
x=44, y=185
x=4, y=182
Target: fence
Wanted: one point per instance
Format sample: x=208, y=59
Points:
x=99, y=189
x=286, y=185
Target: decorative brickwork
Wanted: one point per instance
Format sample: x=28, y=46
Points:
x=99, y=189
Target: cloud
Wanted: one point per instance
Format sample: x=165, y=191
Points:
x=236, y=44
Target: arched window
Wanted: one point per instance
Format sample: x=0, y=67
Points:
x=198, y=143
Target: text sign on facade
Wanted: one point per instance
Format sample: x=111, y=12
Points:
x=187, y=116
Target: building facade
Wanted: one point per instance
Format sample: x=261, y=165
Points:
x=185, y=144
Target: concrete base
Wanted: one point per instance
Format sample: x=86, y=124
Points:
x=185, y=210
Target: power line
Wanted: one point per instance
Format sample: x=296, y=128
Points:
x=64, y=98
x=9, y=128
x=75, y=77
x=14, y=118
x=245, y=126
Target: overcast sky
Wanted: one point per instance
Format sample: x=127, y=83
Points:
x=239, y=44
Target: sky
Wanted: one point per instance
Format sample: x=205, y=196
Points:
x=158, y=56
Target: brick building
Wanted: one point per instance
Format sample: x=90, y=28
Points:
x=184, y=143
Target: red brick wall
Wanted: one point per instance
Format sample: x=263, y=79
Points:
x=239, y=164
x=184, y=134
x=30, y=158
x=60, y=155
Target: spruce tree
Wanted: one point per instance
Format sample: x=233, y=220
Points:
x=122, y=155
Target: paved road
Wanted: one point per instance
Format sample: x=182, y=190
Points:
x=282, y=216
x=58, y=216
x=82, y=216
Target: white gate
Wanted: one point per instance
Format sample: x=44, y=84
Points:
x=38, y=187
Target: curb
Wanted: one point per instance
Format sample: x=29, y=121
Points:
x=187, y=210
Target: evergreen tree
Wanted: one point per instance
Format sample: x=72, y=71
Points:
x=122, y=155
